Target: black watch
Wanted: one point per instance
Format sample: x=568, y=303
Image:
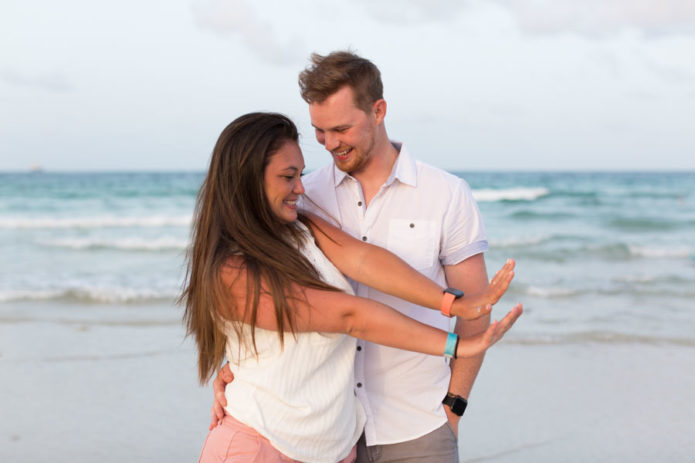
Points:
x=456, y=292
x=456, y=403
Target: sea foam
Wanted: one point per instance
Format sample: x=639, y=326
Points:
x=165, y=243
x=550, y=292
x=512, y=242
x=654, y=252
x=91, y=295
x=93, y=222
x=510, y=194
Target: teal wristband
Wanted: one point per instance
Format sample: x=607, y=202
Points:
x=452, y=340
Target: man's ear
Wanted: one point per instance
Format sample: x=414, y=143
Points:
x=379, y=110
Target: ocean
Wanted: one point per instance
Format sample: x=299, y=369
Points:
x=96, y=367
x=601, y=257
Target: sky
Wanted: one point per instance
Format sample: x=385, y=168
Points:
x=148, y=85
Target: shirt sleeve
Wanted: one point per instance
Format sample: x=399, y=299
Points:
x=463, y=231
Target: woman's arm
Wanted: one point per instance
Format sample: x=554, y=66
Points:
x=467, y=347
x=337, y=312
x=386, y=272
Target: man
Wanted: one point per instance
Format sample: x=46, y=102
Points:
x=376, y=191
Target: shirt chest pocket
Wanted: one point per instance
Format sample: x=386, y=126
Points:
x=414, y=241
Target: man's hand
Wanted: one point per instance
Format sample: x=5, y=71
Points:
x=453, y=420
x=224, y=377
x=473, y=306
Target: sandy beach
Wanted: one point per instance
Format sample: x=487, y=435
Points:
x=118, y=383
x=581, y=403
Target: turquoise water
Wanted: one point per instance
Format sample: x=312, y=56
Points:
x=606, y=257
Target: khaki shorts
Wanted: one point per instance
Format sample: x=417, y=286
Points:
x=438, y=446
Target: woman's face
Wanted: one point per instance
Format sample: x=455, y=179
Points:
x=282, y=181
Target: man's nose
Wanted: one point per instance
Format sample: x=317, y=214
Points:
x=331, y=141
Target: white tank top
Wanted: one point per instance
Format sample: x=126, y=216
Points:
x=300, y=396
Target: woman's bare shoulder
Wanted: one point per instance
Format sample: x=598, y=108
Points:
x=232, y=269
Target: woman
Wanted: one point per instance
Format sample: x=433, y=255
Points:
x=261, y=290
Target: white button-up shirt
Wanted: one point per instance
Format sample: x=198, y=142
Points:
x=428, y=218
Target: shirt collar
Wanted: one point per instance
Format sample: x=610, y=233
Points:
x=404, y=169
x=338, y=175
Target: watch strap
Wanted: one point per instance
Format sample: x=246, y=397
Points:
x=447, y=302
x=448, y=297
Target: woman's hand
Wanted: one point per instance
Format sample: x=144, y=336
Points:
x=473, y=306
x=474, y=345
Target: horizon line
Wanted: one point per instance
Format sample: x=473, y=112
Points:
x=33, y=171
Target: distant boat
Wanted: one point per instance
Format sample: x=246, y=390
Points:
x=35, y=168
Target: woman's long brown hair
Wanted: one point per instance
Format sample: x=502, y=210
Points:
x=232, y=218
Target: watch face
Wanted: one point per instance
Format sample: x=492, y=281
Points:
x=459, y=407
x=456, y=403
x=456, y=292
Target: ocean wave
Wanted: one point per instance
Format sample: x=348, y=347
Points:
x=513, y=242
x=597, y=337
x=612, y=251
x=643, y=224
x=533, y=215
x=673, y=291
x=93, y=222
x=652, y=279
x=580, y=194
x=655, y=252
x=164, y=243
x=526, y=241
x=91, y=295
x=628, y=251
x=542, y=250
x=509, y=194
x=638, y=279
x=550, y=293
x=679, y=196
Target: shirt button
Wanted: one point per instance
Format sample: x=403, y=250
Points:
x=364, y=238
x=359, y=347
x=359, y=203
x=359, y=384
x=412, y=225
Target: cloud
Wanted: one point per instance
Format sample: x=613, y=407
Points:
x=54, y=82
x=237, y=17
x=600, y=18
x=670, y=72
x=411, y=12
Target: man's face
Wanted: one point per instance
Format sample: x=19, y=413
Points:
x=345, y=130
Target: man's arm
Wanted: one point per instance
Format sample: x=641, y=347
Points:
x=470, y=276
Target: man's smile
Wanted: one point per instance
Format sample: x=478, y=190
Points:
x=342, y=155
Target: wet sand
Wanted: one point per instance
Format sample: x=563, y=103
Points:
x=115, y=384
x=582, y=402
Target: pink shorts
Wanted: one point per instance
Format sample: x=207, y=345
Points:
x=234, y=442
